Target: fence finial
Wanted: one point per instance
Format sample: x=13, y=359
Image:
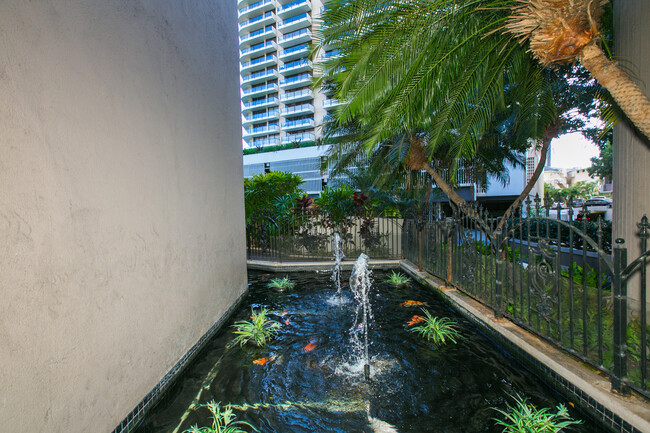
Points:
x=644, y=226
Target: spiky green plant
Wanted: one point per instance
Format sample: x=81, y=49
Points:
x=523, y=417
x=222, y=421
x=437, y=330
x=281, y=283
x=259, y=330
x=397, y=279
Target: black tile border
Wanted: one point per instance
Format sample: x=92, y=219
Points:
x=149, y=401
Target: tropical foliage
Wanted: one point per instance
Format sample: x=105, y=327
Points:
x=269, y=193
x=397, y=279
x=430, y=85
x=581, y=190
x=223, y=421
x=436, y=330
x=283, y=283
x=259, y=330
x=523, y=417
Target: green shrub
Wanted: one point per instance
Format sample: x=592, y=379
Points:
x=397, y=279
x=259, y=330
x=222, y=421
x=281, y=283
x=526, y=418
x=437, y=330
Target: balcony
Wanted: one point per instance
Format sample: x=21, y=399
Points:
x=294, y=52
x=259, y=90
x=258, y=35
x=271, y=101
x=296, y=66
x=271, y=141
x=300, y=138
x=295, y=23
x=331, y=103
x=332, y=54
x=297, y=37
x=256, y=22
x=298, y=110
x=294, y=7
x=260, y=62
x=262, y=130
x=296, y=81
x=261, y=117
x=259, y=49
x=258, y=77
x=297, y=96
x=298, y=124
x=248, y=9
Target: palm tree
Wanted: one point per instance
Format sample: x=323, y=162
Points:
x=566, y=31
x=437, y=72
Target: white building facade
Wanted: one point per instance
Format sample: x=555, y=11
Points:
x=278, y=104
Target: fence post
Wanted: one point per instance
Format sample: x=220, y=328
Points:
x=498, y=281
x=619, y=289
x=449, y=229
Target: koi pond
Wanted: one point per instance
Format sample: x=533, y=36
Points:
x=311, y=376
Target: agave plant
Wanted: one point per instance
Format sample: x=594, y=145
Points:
x=397, y=279
x=524, y=417
x=259, y=330
x=281, y=283
x=437, y=330
x=222, y=421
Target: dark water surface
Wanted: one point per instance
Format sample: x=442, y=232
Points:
x=414, y=387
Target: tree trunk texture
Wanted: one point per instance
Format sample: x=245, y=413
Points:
x=626, y=93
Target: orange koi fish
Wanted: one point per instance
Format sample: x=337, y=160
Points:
x=411, y=303
x=262, y=361
x=284, y=312
x=286, y=322
x=311, y=346
x=415, y=319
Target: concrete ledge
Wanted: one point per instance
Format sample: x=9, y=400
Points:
x=347, y=265
x=580, y=384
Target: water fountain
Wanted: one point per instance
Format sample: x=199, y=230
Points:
x=337, y=246
x=360, y=285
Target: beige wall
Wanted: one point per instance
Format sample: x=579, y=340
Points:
x=121, y=209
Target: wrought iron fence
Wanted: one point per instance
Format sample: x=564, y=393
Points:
x=560, y=279
x=308, y=235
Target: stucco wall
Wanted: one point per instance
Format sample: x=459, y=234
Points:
x=121, y=208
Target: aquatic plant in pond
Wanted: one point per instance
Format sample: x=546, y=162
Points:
x=524, y=417
x=222, y=421
x=259, y=330
x=437, y=330
x=397, y=279
x=283, y=283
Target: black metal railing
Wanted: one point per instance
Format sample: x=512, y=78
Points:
x=555, y=276
x=308, y=235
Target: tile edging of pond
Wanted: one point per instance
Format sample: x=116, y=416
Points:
x=133, y=418
x=590, y=391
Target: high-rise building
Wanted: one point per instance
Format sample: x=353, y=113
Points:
x=278, y=103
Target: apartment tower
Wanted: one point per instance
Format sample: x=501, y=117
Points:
x=278, y=104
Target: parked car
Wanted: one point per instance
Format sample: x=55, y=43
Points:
x=598, y=204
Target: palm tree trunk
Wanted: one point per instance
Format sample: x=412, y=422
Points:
x=550, y=133
x=626, y=93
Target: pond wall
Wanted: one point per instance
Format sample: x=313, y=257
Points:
x=121, y=201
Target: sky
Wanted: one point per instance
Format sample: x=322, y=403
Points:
x=572, y=151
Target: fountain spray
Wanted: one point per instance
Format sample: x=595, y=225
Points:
x=337, y=247
x=360, y=284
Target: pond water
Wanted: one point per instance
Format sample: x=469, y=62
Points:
x=313, y=382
